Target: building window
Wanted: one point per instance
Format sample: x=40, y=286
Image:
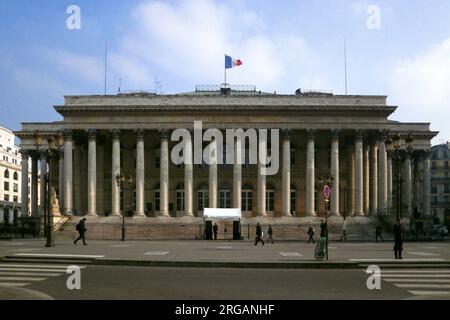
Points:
x=225, y=199
x=157, y=200
x=247, y=199
x=433, y=189
x=15, y=187
x=293, y=199
x=434, y=200
x=180, y=200
x=6, y=197
x=157, y=162
x=15, y=199
x=433, y=165
x=446, y=188
x=6, y=174
x=202, y=199
x=269, y=200
x=6, y=186
x=292, y=155
x=446, y=164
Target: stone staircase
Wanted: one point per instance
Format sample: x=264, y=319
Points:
x=182, y=228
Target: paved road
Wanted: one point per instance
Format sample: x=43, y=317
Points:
x=118, y=282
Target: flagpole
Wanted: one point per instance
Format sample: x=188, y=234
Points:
x=225, y=74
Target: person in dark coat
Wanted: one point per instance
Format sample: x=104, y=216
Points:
x=311, y=235
x=378, y=234
x=81, y=228
x=258, y=234
x=215, y=230
x=398, y=239
x=270, y=233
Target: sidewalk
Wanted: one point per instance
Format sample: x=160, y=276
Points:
x=227, y=253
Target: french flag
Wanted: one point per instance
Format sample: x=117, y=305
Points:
x=230, y=62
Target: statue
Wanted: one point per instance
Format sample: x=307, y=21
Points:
x=54, y=204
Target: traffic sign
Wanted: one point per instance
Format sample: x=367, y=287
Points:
x=327, y=191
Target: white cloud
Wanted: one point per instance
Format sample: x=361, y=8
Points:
x=421, y=87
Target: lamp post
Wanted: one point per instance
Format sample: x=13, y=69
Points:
x=394, y=145
x=326, y=184
x=122, y=181
x=54, y=142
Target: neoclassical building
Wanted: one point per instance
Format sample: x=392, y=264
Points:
x=346, y=137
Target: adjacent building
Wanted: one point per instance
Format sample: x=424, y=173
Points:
x=346, y=137
x=440, y=183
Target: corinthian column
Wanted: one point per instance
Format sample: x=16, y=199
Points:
x=335, y=172
x=382, y=176
x=310, y=174
x=188, y=178
x=408, y=185
x=68, y=172
x=426, y=184
x=140, y=173
x=237, y=174
x=286, y=174
x=366, y=180
x=389, y=182
x=262, y=151
x=34, y=185
x=164, y=185
x=350, y=179
x=92, y=174
x=359, y=178
x=213, y=175
x=24, y=181
x=42, y=185
x=115, y=189
x=374, y=179
x=61, y=179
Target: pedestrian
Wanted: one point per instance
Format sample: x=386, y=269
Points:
x=344, y=230
x=258, y=234
x=311, y=235
x=270, y=233
x=81, y=228
x=215, y=230
x=398, y=239
x=378, y=234
x=323, y=229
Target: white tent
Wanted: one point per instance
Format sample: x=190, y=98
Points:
x=219, y=213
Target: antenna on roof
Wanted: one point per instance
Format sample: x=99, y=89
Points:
x=345, y=65
x=106, y=62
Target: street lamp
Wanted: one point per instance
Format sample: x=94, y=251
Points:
x=326, y=183
x=122, y=181
x=53, y=143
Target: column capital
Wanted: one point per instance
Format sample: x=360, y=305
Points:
x=286, y=134
x=310, y=133
x=92, y=134
x=383, y=135
x=426, y=154
x=115, y=133
x=25, y=154
x=335, y=133
x=140, y=133
x=165, y=133
x=359, y=134
x=68, y=135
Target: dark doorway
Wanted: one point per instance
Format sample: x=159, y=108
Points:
x=236, y=230
x=208, y=230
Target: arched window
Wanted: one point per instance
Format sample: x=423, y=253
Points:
x=225, y=196
x=293, y=200
x=15, y=176
x=247, y=198
x=6, y=175
x=270, y=197
x=202, y=197
x=180, y=198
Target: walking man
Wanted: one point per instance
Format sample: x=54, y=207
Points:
x=258, y=234
x=311, y=235
x=81, y=228
x=215, y=230
x=378, y=234
x=270, y=233
x=398, y=239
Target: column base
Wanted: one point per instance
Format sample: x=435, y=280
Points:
x=262, y=215
x=91, y=214
x=311, y=214
x=335, y=214
x=164, y=215
x=139, y=214
x=359, y=214
x=188, y=215
x=287, y=215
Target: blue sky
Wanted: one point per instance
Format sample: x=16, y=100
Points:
x=284, y=45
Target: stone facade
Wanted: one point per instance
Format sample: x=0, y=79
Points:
x=321, y=135
x=440, y=183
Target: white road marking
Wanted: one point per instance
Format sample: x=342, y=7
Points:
x=120, y=245
x=291, y=254
x=11, y=273
x=421, y=293
x=428, y=247
x=13, y=284
x=225, y=247
x=392, y=260
x=419, y=280
x=423, y=254
x=17, y=244
x=156, y=253
x=415, y=275
x=332, y=247
x=25, y=250
x=420, y=285
x=21, y=279
x=33, y=269
x=49, y=266
x=415, y=271
x=58, y=255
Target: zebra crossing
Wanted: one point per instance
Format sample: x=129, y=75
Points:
x=24, y=274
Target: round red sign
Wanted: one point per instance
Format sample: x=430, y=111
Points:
x=327, y=192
